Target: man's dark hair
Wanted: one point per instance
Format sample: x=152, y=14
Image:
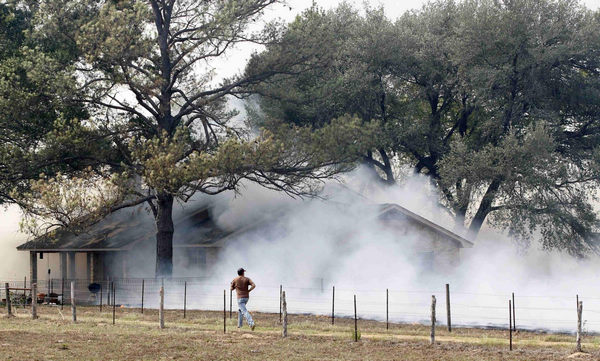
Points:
x=241, y=272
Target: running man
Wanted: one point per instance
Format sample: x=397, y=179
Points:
x=240, y=285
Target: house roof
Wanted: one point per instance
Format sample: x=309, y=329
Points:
x=121, y=231
x=391, y=208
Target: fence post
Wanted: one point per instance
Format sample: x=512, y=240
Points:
x=114, y=300
x=62, y=291
x=387, y=309
x=448, y=307
x=101, y=296
x=34, y=302
x=73, y=302
x=285, y=315
x=184, y=298
x=161, y=308
x=514, y=317
x=355, y=322
x=224, y=311
x=432, y=332
x=579, y=314
x=8, y=303
x=510, y=326
x=230, y=304
x=143, y=286
x=280, y=301
x=576, y=303
x=333, y=306
x=25, y=292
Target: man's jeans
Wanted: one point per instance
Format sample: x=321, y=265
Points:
x=243, y=311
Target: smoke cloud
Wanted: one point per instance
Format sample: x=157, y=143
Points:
x=13, y=264
x=310, y=246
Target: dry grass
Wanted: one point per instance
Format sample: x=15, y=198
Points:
x=200, y=337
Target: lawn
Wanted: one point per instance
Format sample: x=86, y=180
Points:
x=200, y=337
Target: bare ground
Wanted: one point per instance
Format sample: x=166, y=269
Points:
x=200, y=337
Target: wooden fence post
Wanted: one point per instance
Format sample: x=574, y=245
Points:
x=161, y=308
x=8, y=303
x=224, y=311
x=73, y=302
x=230, y=304
x=285, y=314
x=448, y=315
x=333, y=306
x=355, y=322
x=25, y=292
x=432, y=332
x=34, y=302
x=280, y=301
x=579, y=314
x=101, y=296
x=510, y=347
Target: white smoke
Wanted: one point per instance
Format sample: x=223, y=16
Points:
x=308, y=246
x=13, y=264
x=312, y=245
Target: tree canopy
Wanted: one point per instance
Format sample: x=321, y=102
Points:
x=36, y=106
x=496, y=101
x=111, y=104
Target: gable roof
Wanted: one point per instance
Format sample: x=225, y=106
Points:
x=384, y=210
x=392, y=208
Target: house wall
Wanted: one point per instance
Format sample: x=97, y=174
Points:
x=434, y=247
x=189, y=262
x=51, y=261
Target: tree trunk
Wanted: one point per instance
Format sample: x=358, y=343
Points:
x=389, y=172
x=164, y=236
x=484, y=207
x=386, y=167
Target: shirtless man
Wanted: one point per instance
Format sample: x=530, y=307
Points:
x=240, y=285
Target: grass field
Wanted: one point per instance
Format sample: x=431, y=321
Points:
x=200, y=337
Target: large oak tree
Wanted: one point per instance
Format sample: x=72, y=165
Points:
x=496, y=101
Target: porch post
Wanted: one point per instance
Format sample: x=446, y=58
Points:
x=32, y=268
x=63, y=265
x=72, y=268
x=90, y=267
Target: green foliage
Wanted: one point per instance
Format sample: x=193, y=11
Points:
x=497, y=101
x=36, y=107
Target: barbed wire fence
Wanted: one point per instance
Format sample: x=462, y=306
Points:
x=462, y=308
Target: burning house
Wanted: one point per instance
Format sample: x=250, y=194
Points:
x=123, y=244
